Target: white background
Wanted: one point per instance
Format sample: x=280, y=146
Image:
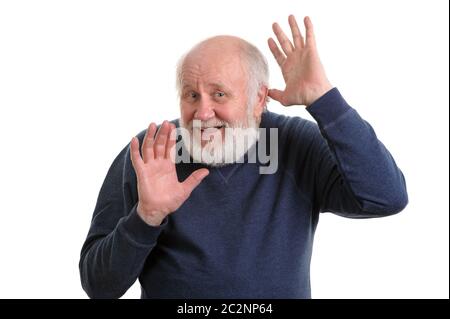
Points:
x=79, y=78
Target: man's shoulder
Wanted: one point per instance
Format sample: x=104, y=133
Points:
x=288, y=124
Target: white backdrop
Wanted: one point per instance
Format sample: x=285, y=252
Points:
x=79, y=78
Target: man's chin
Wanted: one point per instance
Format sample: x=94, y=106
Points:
x=207, y=157
x=222, y=159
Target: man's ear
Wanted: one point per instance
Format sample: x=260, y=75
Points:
x=261, y=101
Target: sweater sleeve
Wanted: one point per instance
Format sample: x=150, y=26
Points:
x=118, y=241
x=355, y=175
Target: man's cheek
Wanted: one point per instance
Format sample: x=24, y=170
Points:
x=186, y=115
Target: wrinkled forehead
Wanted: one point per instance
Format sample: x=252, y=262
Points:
x=213, y=66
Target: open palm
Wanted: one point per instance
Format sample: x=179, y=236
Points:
x=300, y=65
x=160, y=193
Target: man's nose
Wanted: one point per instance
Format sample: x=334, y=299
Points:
x=204, y=111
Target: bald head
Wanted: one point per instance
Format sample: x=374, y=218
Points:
x=224, y=44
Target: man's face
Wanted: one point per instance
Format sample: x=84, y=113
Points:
x=214, y=91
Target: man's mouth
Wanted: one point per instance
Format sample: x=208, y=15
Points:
x=212, y=128
x=212, y=132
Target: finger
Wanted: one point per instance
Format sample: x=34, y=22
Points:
x=277, y=54
x=286, y=45
x=310, y=39
x=160, y=140
x=136, y=159
x=171, y=141
x=277, y=95
x=296, y=34
x=195, y=179
x=147, y=145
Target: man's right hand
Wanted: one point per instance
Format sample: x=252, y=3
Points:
x=160, y=193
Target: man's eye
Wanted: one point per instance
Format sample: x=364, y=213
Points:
x=220, y=94
x=191, y=95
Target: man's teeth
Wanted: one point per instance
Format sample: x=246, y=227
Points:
x=216, y=127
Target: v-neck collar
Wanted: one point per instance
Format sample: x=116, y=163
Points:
x=225, y=172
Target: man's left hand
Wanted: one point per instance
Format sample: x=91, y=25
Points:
x=300, y=64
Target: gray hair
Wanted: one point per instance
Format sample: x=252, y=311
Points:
x=257, y=68
x=258, y=71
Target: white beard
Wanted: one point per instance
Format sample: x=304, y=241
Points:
x=239, y=138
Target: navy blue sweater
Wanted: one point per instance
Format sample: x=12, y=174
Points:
x=242, y=234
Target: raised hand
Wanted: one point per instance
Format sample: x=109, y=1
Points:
x=300, y=64
x=160, y=193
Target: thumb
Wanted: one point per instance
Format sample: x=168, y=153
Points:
x=277, y=95
x=194, y=179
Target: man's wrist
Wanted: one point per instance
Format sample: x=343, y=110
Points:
x=318, y=93
x=150, y=217
x=328, y=108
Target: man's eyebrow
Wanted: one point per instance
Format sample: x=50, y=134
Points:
x=217, y=85
x=187, y=86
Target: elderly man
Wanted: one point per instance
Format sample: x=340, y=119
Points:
x=218, y=228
